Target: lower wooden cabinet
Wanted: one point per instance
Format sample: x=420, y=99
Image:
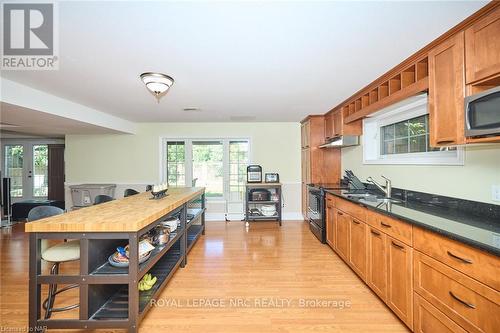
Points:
x=330, y=221
x=357, y=247
x=428, y=319
x=376, y=276
x=469, y=303
x=342, y=226
x=400, y=279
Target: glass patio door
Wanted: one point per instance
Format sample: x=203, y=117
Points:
x=26, y=165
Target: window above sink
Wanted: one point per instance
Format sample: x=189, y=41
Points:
x=399, y=134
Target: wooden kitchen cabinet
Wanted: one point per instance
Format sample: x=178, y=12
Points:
x=482, y=48
x=469, y=303
x=330, y=221
x=329, y=127
x=428, y=319
x=376, y=276
x=342, y=237
x=357, y=247
x=305, y=129
x=400, y=280
x=446, y=92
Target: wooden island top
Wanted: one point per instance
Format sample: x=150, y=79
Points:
x=129, y=214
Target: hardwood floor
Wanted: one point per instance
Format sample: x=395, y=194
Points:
x=263, y=268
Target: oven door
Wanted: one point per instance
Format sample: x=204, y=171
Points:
x=315, y=214
x=481, y=113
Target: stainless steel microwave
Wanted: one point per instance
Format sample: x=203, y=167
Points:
x=482, y=113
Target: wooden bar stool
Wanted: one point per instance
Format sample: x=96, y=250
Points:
x=57, y=254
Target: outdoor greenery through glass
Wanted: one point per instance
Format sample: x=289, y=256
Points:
x=238, y=162
x=176, y=170
x=14, y=161
x=408, y=136
x=208, y=168
x=40, y=170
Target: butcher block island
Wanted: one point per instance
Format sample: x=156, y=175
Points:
x=128, y=251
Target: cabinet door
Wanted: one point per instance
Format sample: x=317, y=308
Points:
x=304, y=201
x=329, y=126
x=400, y=280
x=330, y=222
x=306, y=134
x=342, y=234
x=446, y=92
x=482, y=47
x=306, y=166
x=357, y=247
x=376, y=276
x=337, y=123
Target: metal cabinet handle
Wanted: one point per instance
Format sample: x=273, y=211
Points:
x=442, y=142
x=385, y=225
x=357, y=222
x=375, y=232
x=467, y=261
x=397, y=245
x=467, y=304
x=340, y=213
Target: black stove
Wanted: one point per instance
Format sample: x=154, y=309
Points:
x=316, y=210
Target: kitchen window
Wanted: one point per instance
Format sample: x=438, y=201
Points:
x=399, y=134
x=217, y=164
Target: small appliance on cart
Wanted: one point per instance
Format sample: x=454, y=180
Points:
x=263, y=202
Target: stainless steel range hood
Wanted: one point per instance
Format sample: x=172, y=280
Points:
x=341, y=141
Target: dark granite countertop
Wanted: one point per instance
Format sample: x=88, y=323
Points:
x=482, y=232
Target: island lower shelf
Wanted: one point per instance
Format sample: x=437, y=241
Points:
x=109, y=296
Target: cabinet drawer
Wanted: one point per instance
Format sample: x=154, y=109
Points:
x=400, y=230
x=354, y=210
x=475, y=263
x=467, y=302
x=428, y=319
x=330, y=199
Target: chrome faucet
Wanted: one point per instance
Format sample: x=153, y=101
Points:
x=387, y=189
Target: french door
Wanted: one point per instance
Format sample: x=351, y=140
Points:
x=219, y=165
x=26, y=164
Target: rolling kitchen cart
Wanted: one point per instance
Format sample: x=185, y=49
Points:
x=263, y=202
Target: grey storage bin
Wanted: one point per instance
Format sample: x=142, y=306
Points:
x=84, y=194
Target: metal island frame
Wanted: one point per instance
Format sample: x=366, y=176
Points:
x=109, y=296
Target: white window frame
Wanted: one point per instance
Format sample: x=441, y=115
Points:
x=410, y=108
x=188, y=144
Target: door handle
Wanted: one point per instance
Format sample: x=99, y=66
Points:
x=467, y=261
x=467, y=304
x=397, y=245
x=444, y=142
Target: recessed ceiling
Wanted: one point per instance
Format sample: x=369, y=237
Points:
x=268, y=61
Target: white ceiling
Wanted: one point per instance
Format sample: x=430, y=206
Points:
x=237, y=61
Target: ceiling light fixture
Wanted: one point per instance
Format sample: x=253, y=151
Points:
x=157, y=83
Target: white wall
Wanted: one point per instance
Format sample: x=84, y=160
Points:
x=473, y=181
x=134, y=160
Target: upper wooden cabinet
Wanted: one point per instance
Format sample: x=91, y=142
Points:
x=446, y=92
x=335, y=125
x=305, y=133
x=482, y=48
